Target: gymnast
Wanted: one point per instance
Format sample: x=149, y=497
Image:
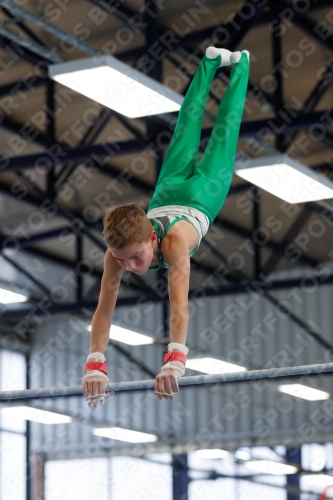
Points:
x=187, y=198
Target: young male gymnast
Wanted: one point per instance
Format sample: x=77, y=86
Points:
x=187, y=198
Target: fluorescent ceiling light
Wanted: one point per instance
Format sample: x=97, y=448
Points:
x=116, y=85
x=36, y=415
x=243, y=454
x=212, y=366
x=125, y=435
x=127, y=336
x=321, y=480
x=8, y=297
x=211, y=454
x=286, y=178
x=270, y=467
x=304, y=392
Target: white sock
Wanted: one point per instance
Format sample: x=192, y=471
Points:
x=235, y=56
x=213, y=52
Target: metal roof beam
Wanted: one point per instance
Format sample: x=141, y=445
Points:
x=310, y=26
x=209, y=33
x=24, y=85
x=28, y=15
x=12, y=242
x=149, y=297
x=324, y=82
x=32, y=46
x=219, y=222
x=132, y=146
x=26, y=273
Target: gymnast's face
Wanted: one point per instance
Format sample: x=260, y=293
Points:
x=138, y=256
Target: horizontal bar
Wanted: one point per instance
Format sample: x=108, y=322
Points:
x=139, y=385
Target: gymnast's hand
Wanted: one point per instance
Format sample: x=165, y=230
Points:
x=94, y=389
x=166, y=383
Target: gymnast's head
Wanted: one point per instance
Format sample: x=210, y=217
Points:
x=130, y=237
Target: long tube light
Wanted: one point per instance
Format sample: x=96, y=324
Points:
x=127, y=336
x=270, y=467
x=116, y=85
x=212, y=366
x=286, y=178
x=127, y=435
x=304, y=392
x=212, y=454
x=9, y=297
x=36, y=415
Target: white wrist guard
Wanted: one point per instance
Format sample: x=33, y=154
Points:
x=96, y=356
x=171, y=366
x=93, y=373
x=179, y=347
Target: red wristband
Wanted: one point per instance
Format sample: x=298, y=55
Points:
x=96, y=365
x=175, y=356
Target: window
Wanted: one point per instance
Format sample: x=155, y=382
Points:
x=106, y=479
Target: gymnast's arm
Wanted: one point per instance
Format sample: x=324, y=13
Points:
x=175, y=250
x=102, y=319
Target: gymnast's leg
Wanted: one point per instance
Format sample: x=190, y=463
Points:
x=215, y=169
x=182, y=154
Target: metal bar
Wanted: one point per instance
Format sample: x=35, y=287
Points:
x=84, y=227
x=264, y=290
x=89, y=137
x=298, y=321
x=310, y=26
x=56, y=259
x=219, y=222
x=15, y=49
x=33, y=47
x=180, y=477
x=199, y=36
x=288, y=238
x=50, y=133
x=79, y=276
x=20, y=243
x=27, y=15
x=326, y=79
x=122, y=12
x=256, y=226
x=16, y=127
x=25, y=28
x=226, y=225
x=207, y=33
x=29, y=495
x=277, y=74
x=132, y=146
x=64, y=212
x=139, y=385
x=240, y=25
x=23, y=85
x=23, y=271
x=293, y=456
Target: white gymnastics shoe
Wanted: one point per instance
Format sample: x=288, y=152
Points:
x=213, y=52
x=235, y=56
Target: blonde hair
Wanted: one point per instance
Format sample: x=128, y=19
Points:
x=125, y=225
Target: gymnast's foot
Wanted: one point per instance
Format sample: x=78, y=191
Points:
x=213, y=52
x=235, y=56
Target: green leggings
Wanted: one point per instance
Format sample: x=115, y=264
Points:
x=205, y=184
